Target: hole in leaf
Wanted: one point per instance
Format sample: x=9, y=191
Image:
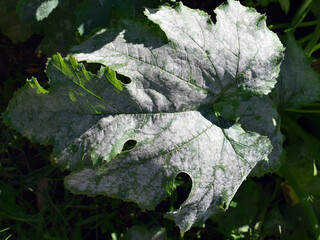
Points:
x=182, y=187
x=86, y=160
x=123, y=79
x=316, y=65
x=92, y=67
x=224, y=206
x=128, y=145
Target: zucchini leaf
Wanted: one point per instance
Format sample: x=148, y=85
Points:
x=178, y=67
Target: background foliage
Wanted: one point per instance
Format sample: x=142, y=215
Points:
x=33, y=201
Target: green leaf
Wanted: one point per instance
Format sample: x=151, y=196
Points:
x=10, y=23
x=58, y=26
x=298, y=84
x=315, y=8
x=124, y=8
x=238, y=220
x=302, y=164
x=142, y=4
x=36, y=10
x=179, y=68
x=93, y=14
x=59, y=30
x=285, y=5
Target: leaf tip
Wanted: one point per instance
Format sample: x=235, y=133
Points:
x=33, y=83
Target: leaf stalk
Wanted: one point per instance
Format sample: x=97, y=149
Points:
x=300, y=15
x=313, y=41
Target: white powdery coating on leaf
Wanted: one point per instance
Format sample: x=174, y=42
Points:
x=217, y=160
x=239, y=43
x=258, y=114
x=176, y=76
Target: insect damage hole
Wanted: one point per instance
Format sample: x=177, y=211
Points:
x=128, y=145
x=92, y=67
x=182, y=188
x=123, y=79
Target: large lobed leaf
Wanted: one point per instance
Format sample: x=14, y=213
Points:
x=180, y=67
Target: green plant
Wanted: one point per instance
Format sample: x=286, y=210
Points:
x=167, y=99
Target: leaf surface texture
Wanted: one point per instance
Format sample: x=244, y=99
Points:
x=179, y=68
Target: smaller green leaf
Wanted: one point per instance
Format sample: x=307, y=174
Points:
x=298, y=84
x=301, y=163
x=12, y=26
x=124, y=8
x=242, y=213
x=285, y=5
x=315, y=8
x=59, y=30
x=93, y=14
x=36, y=10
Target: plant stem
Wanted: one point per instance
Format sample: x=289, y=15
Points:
x=286, y=25
x=316, y=47
x=303, y=199
x=3, y=230
x=300, y=15
x=315, y=104
x=309, y=23
x=279, y=26
x=313, y=41
x=305, y=39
